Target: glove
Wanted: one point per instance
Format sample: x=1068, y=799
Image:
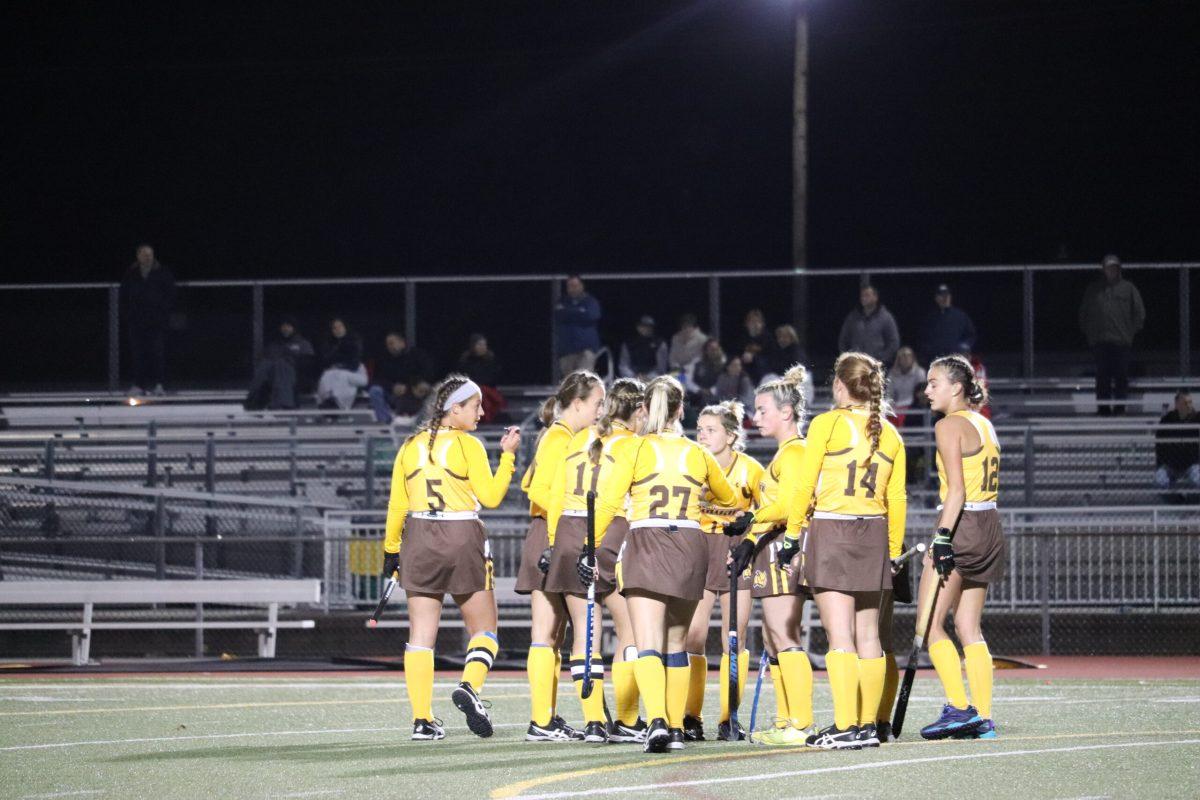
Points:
x=391, y=564
x=740, y=525
x=587, y=573
x=740, y=558
x=544, y=560
x=943, y=553
x=787, y=551
x=902, y=584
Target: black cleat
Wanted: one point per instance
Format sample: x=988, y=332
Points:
x=576, y=735
x=731, y=732
x=884, y=731
x=620, y=733
x=595, y=733
x=693, y=729
x=868, y=736
x=675, y=742
x=466, y=701
x=554, y=732
x=833, y=738
x=657, y=737
x=425, y=730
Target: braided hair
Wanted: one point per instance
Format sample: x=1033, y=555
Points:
x=959, y=370
x=440, y=394
x=732, y=415
x=622, y=402
x=862, y=376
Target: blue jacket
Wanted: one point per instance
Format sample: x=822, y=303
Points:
x=576, y=324
x=947, y=331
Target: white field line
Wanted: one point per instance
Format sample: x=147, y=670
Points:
x=650, y=787
x=77, y=793
x=202, y=737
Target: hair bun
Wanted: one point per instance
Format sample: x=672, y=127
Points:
x=796, y=375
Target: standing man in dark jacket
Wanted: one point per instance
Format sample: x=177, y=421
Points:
x=645, y=355
x=576, y=325
x=948, y=330
x=870, y=328
x=149, y=297
x=1111, y=315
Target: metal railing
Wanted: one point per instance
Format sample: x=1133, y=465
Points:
x=714, y=282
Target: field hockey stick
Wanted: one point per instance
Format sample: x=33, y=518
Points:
x=388, y=588
x=764, y=664
x=909, y=553
x=733, y=649
x=910, y=670
x=590, y=552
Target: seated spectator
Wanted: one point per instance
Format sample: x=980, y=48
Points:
x=709, y=368
x=344, y=373
x=1177, y=451
x=787, y=351
x=686, y=345
x=734, y=384
x=903, y=379
x=396, y=370
x=645, y=355
x=479, y=363
x=411, y=403
x=758, y=346
x=276, y=373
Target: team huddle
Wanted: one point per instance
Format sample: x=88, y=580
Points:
x=630, y=516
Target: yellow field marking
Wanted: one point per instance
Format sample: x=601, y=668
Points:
x=515, y=789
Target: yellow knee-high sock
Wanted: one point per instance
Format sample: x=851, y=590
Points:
x=697, y=677
x=843, y=683
x=678, y=678
x=891, y=683
x=540, y=667
x=872, y=674
x=743, y=672
x=418, y=678
x=625, y=689
x=557, y=675
x=593, y=705
x=944, y=656
x=797, y=676
x=652, y=683
x=481, y=652
x=979, y=676
x=781, y=698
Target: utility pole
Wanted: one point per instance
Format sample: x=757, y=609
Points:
x=800, y=174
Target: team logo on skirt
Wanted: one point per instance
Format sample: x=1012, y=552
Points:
x=760, y=579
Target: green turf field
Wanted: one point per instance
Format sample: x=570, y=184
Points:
x=296, y=737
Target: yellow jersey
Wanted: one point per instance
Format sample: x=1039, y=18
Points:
x=577, y=475
x=777, y=485
x=455, y=477
x=837, y=471
x=664, y=474
x=981, y=469
x=744, y=475
x=540, y=474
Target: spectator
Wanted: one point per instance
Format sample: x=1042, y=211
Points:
x=1110, y=316
x=948, y=329
x=277, y=372
x=645, y=355
x=149, y=297
x=412, y=402
x=904, y=379
x=1177, y=451
x=709, y=368
x=686, y=345
x=479, y=363
x=787, y=351
x=396, y=371
x=344, y=373
x=576, y=321
x=870, y=329
x=734, y=384
x=757, y=346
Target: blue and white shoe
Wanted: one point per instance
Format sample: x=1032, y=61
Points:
x=986, y=730
x=953, y=722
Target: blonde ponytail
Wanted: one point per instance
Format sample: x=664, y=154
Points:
x=663, y=399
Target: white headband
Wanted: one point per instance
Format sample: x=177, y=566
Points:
x=462, y=394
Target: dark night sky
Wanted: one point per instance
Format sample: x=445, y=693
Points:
x=369, y=138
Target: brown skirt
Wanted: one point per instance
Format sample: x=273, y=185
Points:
x=445, y=557
x=768, y=579
x=529, y=577
x=606, y=555
x=569, y=539
x=717, y=578
x=662, y=561
x=847, y=555
x=980, y=550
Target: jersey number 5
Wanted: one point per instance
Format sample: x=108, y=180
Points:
x=868, y=478
x=436, y=501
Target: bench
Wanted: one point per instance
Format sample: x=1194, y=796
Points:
x=89, y=594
